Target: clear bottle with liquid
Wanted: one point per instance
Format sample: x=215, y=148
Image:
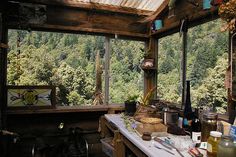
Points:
x=212, y=143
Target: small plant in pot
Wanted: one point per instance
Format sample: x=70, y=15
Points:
x=130, y=104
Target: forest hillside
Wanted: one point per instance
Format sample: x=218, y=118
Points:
x=68, y=62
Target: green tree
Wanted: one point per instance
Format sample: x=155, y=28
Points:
x=212, y=92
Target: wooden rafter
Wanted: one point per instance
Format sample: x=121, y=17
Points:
x=156, y=13
x=81, y=21
x=90, y=6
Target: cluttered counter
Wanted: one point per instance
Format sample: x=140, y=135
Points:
x=133, y=140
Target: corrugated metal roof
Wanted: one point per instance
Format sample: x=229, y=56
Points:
x=150, y=5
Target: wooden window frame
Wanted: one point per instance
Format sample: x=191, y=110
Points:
x=226, y=116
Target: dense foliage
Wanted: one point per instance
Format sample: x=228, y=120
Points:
x=206, y=66
x=68, y=62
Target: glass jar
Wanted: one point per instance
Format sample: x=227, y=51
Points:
x=226, y=147
x=209, y=123
x=212, y=143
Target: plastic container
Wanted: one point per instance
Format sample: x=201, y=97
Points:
x=107, y=148
x=226, y=147
x=212, y=143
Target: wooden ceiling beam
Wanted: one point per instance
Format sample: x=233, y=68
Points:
x=184, y=10
x=81, y=21
x=89, y=6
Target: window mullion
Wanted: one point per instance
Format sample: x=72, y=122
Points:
x=107, y=69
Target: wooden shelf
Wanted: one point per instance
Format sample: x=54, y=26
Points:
x=67, y=109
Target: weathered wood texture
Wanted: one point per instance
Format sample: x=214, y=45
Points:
x=133, y=148
x=185, y=10
x=152, y=17
x=121, y=143
x=45, y=126
x=1, y=87
x=3, y=67
x=150, y=75
x=232, y=104
x=82, y=21
x=113, y=108
x=90, y=6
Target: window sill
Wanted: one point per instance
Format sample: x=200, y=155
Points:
x=66, y=109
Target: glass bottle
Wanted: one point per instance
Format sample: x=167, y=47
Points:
x=196, y=131
x=209, y=123
x=188, y=112
x=226, y=147
x=212, y=143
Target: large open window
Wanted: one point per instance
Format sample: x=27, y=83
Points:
x=66, y=61
x=169, y=68
x=207, y=61
x=126, y=76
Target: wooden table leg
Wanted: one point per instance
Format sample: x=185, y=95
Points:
x=118, y=145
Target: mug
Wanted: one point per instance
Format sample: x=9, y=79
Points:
x=158, y=24
x=206, y=4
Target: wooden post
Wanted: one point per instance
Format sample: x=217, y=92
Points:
x=107, y=69
x=118, y=145
x=150, y=76
x=3, y=75
x=1, y=87
x=184, y=30
x=103, y=128
x=232, y=104
x=3, y=70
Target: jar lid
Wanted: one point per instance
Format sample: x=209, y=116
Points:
x=210, y=115
x=215, y=133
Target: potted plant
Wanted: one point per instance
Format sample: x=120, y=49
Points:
x=144, y=109
x=130, y=104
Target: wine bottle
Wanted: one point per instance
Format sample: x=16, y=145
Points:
x=188, y=113
x=196, y=131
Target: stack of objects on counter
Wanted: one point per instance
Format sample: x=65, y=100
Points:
x=205, y=131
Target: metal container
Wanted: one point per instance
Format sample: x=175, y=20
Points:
x=170, y=116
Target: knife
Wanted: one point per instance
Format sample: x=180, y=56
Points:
x=167, y=145
x=163, y=143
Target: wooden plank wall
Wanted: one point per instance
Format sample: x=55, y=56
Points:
x=32, y=127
